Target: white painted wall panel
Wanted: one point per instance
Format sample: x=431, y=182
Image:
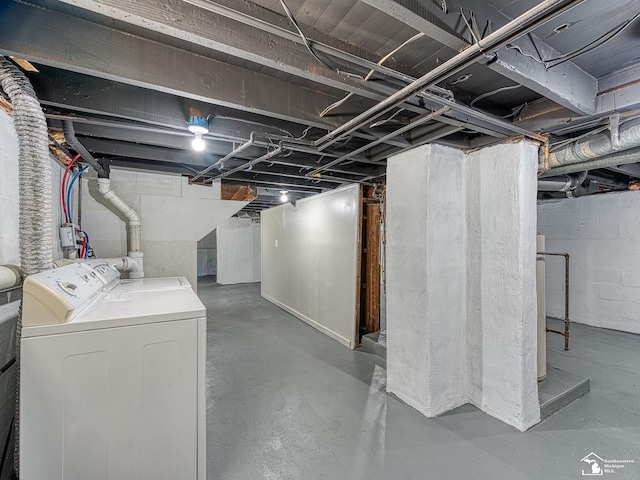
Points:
x=238, y=251
x=310, y=258
x=602, y=235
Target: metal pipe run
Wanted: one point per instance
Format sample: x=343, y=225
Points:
x=522, y=25
x=233, y=153
x=567, y=322
x=251, y=163
x=420, y=121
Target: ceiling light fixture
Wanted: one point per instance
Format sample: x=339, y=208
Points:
x=283, y=196
x=199, y=126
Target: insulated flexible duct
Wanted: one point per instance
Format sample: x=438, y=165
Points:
x=35, y=236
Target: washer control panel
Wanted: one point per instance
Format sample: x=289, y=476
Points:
x=56, y=296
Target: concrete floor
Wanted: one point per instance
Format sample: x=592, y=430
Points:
x=287, y=402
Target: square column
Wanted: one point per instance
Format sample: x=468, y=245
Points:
x=426, y=278
x=461, y=297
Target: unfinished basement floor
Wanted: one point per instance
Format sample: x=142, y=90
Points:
x=287, y=402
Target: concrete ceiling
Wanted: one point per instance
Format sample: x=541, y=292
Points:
x=130, y=74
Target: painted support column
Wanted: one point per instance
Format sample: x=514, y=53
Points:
x=426, y=278
x=461, y=298
x=501, y=270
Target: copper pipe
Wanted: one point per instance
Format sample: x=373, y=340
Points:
x=567, y=322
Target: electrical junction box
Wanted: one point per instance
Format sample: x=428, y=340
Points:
x=67, y=236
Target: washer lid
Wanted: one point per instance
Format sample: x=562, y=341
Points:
x=119, y=308
x=159, y=283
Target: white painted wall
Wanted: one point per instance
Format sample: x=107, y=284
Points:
x=310, y=257
x=601, y=233
x=174, y=216
x=9, y=249
x=461, y=305
x=238, y=251
x=9, y=193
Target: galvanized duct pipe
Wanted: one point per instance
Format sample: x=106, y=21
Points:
x=564, y=183
x=581, y=152
x=36, y=244
x=35, y=215
x=612, y=160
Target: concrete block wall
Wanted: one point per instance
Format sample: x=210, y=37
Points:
x=238, y=251
x=174, y=216
x=601, y=233
x=461, y=298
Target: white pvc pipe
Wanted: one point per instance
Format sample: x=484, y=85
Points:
x=133, y=220
x=9, y=277
x=127, y=264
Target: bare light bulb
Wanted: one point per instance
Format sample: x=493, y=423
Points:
x=198, y=143
x=283, y=196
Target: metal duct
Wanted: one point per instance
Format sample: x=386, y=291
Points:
x=35, y=216
x=613, y=160
x=582, y=151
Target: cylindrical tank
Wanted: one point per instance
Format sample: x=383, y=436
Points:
x=542, y=309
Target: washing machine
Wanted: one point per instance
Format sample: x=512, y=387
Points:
x=112, y=381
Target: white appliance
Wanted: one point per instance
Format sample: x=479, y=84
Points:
x=112, y=382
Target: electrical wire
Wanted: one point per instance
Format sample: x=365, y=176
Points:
x=392, y=52
x=63, y=187
x=83, y=250
x=382, y=122
x=73, y=181
x=371, y=72
x=86, y=252
x=601, y=40
x=335, y=105
x=493, y=92
x=594, y=44
x=307, y=44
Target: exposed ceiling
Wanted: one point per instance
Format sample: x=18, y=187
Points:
x=130, y=74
